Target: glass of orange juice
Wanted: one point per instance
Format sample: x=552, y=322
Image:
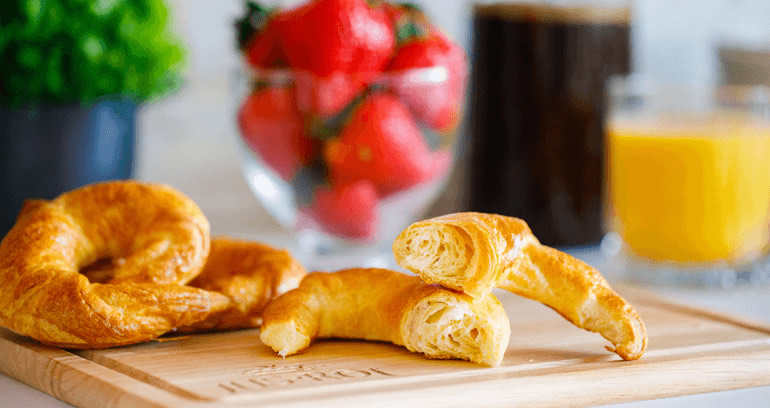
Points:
x=688, y=183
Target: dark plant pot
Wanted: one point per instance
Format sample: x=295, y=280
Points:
x=47, y=150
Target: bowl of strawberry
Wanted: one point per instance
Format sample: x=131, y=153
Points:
x=348, y=116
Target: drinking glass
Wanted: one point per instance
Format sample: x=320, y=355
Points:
x=688, y=183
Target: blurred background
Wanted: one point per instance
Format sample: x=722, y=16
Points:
x=633, y=134
x=674, y=40
x=187, y=135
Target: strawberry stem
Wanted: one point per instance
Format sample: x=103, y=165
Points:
x=411, y=7
x=412, y=25
x=251, y=23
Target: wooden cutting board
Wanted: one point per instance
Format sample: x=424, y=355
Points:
x=548, y=363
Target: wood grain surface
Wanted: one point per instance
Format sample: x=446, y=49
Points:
x=548, y=363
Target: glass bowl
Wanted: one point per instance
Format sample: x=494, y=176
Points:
x=347, y=162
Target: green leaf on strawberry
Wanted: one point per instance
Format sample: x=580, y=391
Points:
x=257, y=36
x=409, y=22
x=252, y=22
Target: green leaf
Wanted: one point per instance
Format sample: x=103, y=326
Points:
x=252, y=22
x=103, y=7
x=92, y=46
x=34, y=10
x=82, y=50
x=406, y=32
x=413, y=26
x=29, y=57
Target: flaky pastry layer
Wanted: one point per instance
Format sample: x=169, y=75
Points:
x=476, y=252
x=251, y=274
x=383, y=305
x=155, y=239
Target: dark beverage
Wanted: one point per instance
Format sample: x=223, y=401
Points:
x=537, y=112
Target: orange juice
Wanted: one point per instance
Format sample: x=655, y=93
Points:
x=691, y=191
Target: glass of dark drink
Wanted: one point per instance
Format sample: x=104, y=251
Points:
x=538, y=103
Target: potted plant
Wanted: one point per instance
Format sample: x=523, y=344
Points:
x=72, y=75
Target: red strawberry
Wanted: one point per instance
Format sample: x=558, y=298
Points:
x=327, y=36
x=263, y=51
x=258, y=36
x=395, y=12
x=348, y=210
x=442, y=161
x=271, y=125
x=382, y=144
x=339, y=46
x=326, y=96
x=437, y=104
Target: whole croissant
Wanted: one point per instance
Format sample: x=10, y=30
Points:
x=157, y=239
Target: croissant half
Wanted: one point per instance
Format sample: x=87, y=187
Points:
x=475, y=252
x=383, y=305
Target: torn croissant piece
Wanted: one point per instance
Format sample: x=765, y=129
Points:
x=383, y=305
x=475, y=252
x=154, y=239
x=251, y=275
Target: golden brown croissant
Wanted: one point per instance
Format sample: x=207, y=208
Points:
x=156, y=238
x=250, y=274
x=379, y=304
x=475, y=252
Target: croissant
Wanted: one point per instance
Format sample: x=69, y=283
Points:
x=250, y=274
x=154, y=240
x=475, y=252
x=383, y=305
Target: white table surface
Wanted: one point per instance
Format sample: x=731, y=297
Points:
x=188, y=141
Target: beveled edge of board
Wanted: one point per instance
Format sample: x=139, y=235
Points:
x=505, y=391
x=130, y=391
x=139, y=375
x=31, y=363
x=548, y=373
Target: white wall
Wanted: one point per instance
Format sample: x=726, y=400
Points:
x=678, y=39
